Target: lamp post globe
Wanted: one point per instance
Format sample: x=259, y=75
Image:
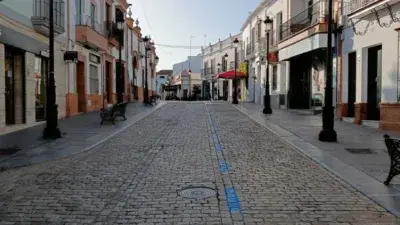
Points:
x=235, y=93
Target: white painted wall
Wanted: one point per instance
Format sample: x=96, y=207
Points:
x=375, y=35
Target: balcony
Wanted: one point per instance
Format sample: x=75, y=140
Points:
x=273, y=43
x=352, y=7
x=41, y=17
x=314, y=15
x=112, y=33
x=91, y=33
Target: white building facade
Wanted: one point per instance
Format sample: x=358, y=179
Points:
x=24, y=46
x=297, y=46
x=369, y=85
x=222, y=53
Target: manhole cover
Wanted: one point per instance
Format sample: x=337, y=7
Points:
x=197, y=192
x=360, y=150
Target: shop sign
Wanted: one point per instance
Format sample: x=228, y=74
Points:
x=94, y=58
x=243, y=67
x=273, y=57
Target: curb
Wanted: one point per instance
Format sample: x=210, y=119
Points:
x=377, y=198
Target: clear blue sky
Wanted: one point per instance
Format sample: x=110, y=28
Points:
x=172, y=22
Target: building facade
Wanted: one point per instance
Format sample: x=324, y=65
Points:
x=24, y=62
x=86, y=27
x=297, y=51
x=368, y=88
x=193, y=63
x=223, y=53
x=162, y=79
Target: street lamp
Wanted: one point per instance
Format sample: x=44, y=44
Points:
x=146, y=41
x=267, y=98
x=218, y=71
x=328, y=134
x=51, y=131
x=156, y=60
x=120, y=76
x=235, y=97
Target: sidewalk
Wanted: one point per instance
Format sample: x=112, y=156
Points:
x=79, y=133
x=364, y=171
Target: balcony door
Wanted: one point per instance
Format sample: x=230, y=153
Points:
x=93, y=15
x=78, y=7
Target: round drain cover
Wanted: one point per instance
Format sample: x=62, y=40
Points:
x=197, y=192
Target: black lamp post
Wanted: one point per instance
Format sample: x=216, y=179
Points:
x=120, y=76
x=146, y=41
x=235, y=97
x=51, y=131
x=218, y=71
x=328, y=133
x=267, y=98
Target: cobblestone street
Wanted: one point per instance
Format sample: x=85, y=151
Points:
x=136, y=177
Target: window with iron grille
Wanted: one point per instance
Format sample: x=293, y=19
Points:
x=259, y=31
x=231, y=65
x=94, y=79
x=274, y=78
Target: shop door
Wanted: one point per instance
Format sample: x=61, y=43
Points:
x=352, y=64
x=374, y=82
x=9, y=90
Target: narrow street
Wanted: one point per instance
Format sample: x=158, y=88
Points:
x=141, y=176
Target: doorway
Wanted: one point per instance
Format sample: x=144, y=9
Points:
x=109, y=81
x=374, y=82
x=226, y=89
x=80, y=73
x=9, y=89
x=300, y=84
x=351, y=91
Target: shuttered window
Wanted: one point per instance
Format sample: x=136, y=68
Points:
x=94, y=79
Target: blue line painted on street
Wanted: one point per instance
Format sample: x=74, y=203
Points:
x=233, y=201
x=223, y=166
x=218, y=147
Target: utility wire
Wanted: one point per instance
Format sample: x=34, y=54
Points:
x=148, y=23
x=179, y=46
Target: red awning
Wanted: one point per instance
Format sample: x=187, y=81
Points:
x=231, y=75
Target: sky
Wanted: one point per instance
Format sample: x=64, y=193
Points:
x=173, y=22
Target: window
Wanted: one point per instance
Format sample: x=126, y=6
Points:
x=93, y=14
x=162, y=77
x=259, y=31
x=231, y=65
x=279, y=24
x=274, y=78
x=94, y=79
x=78, y=6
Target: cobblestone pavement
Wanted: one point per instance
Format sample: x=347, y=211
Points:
x=135, y=177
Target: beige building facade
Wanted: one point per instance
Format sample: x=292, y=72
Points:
x=23, y=65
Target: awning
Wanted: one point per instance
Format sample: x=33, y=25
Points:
x=231, y=75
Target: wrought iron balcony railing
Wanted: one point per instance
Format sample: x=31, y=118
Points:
x=351, y=6
x=248, y=49
x=41, y=16
x=273, y=42
x=316, y=13
x=91, y=22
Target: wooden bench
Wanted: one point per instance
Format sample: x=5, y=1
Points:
x=393, y=147
x=117, y=110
